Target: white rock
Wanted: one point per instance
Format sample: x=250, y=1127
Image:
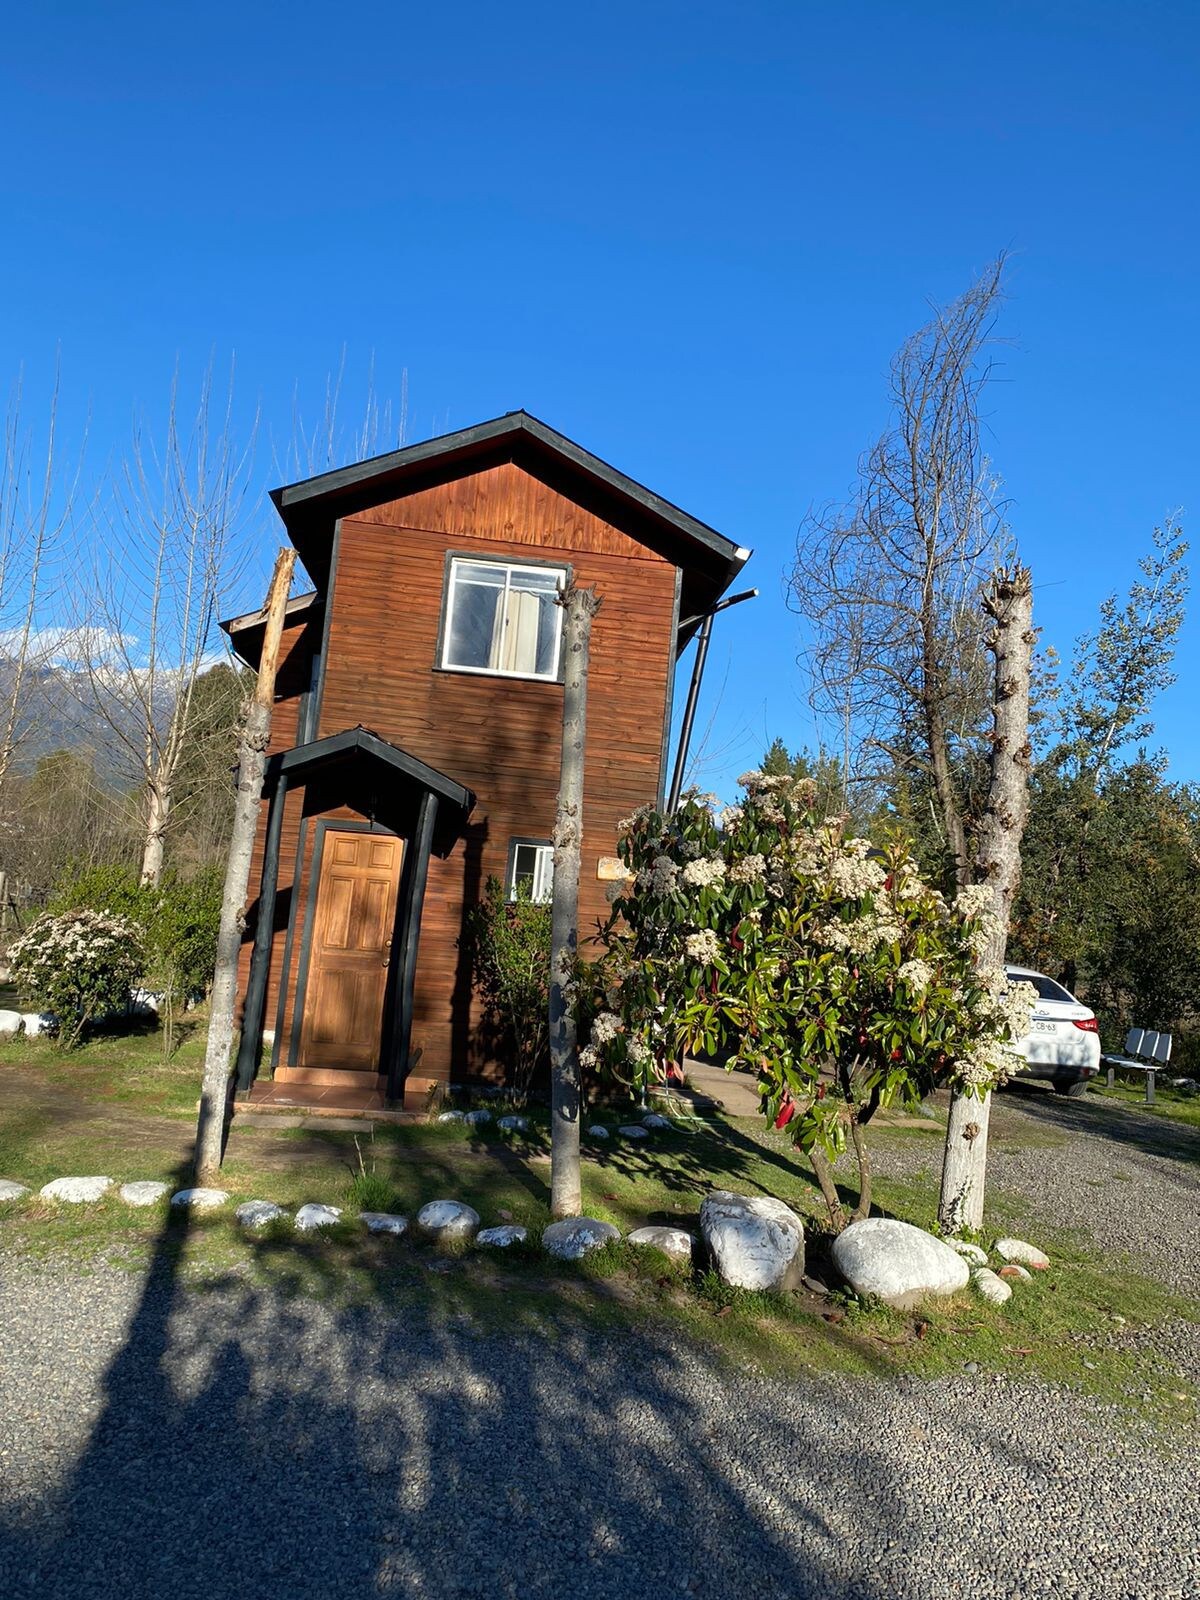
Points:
x=1028, y=1254
x=10, y=1189
x=575, y=1236
x=655, y=1122
x=11, y=1022
x=76, y=1191
x=1012, y=1270
x=755, y=1241
x=36, y=1023
x=383, y=1222
x=514, y=1124
x=632, y=1130
x=969, y=1252
x=448, y=1219
x=478, y=1118
x=990, y=1286
x=501, y=1238
x=146, y=1192
x=199, y=1199
x=896, y=1262
x=598, y=1131
x=451, y=1116
x=315, y=1215
x=675, y=1242
x=257, y=1213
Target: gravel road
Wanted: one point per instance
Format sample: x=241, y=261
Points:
x=160, y=1442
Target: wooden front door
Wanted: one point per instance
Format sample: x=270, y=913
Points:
x=351, y=949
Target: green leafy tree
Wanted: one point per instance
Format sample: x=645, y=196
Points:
x=830, y=969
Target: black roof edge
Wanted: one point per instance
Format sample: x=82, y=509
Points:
x=303, y=757
x=296, y=496
x=258, y=619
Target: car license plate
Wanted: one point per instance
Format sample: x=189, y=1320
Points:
x=1043, y=1025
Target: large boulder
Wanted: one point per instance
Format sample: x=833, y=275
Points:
x=76, y=1191
x=573, y=1237
x=258, y=1213
x=10, y=1189
x=11, y=1022
x=897, y=1263
x=755, y=1242
x=502, y=1238
x=383, y=1222
x=447, y=1220
x=199, y=1199
x=314, y=1215
x=1019, y=1250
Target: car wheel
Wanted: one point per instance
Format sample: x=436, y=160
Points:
x=1075, y=1090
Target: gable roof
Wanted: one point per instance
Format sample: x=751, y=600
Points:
x=311, y=507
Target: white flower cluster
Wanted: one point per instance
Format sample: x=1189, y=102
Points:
x=606, y=1026
x=859, y=937
x=748, y=869
x=702, y=946
x=917, y=975
x=659, y=877
x=629, y=824
x=853, y=875
x=731, y=816
x=706, y=873
x=640, y=1054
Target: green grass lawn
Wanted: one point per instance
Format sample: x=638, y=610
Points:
x=1168, y=1102
x=117, y=1107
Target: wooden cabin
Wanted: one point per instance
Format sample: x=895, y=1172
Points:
x=416, y=736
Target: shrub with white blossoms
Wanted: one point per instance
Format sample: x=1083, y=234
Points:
x=828, y=967
x=79, y=965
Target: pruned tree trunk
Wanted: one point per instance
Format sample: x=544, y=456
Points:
x=214, y=1095
x=566, y=1198
x=1009, y=602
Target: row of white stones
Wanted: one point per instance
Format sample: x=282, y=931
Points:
x=448, y=1221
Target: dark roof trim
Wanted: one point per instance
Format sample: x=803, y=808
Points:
x=304, y=759
x=258, y=619
x=312, y=493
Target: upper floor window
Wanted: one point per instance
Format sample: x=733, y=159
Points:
x=502, y=617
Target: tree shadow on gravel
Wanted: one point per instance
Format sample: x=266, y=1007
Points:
x=252, y=1444
x=1113, y=1120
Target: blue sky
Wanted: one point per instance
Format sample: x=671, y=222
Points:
x=689, y=236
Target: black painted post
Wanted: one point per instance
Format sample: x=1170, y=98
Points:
x=421, y=845
x=260, y=959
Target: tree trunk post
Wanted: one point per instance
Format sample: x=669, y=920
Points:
x=1009, y=602
x=158, y=807
x=566, y=1198
x=214, y=1095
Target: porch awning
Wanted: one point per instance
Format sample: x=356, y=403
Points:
x=378, y=779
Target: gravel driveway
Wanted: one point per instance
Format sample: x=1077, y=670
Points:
x=159, y=1442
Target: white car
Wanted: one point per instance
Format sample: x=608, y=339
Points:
x=1063, y=1042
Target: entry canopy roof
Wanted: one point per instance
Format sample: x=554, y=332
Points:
x=359, y=769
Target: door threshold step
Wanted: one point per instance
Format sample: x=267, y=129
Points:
x=332, y=1078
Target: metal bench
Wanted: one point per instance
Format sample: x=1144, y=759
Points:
x=1145, y=1051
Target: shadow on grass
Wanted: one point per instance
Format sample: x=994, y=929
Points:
x=248, y=1443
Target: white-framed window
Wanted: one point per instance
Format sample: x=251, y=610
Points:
x=531, y=870
x=501, y=617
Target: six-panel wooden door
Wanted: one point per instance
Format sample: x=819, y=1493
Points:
x=351, y=948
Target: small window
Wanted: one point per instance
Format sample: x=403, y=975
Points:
x=531, y=871
x=503, y=618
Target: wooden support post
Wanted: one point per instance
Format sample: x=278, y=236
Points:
x=260, y=960
x=252, y=756
x=421, y=846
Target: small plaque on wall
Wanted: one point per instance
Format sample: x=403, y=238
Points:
x=611, y=869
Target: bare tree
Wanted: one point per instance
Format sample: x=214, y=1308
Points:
x=165, y=555
x=566, y=1198
x=252, y=759
x=1008, y=601
x=889, y=584
x=35, y=508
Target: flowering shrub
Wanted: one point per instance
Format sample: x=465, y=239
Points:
x=77, y=965
x=508, y=945
x=829, y=968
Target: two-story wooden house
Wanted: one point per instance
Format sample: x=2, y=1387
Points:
x=416, y=735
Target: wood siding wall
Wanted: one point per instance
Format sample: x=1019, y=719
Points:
x=499, y=737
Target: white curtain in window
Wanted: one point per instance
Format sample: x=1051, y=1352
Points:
x=515, y=633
